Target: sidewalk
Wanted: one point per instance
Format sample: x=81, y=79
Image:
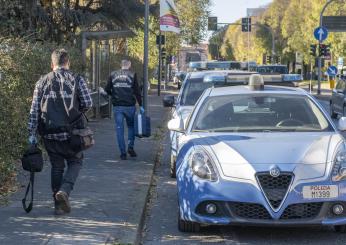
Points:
x=109, y=196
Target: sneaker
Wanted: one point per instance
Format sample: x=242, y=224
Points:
x=62, y=197
x=131, y=152
x=123, y=156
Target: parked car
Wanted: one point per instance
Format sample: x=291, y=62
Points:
x=260, y=155
x=338, y=99
x=192, y=88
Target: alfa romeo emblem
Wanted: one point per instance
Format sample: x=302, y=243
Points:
x=274, y=171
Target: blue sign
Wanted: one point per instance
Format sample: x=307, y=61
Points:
x=332, y=71
x=321, y=33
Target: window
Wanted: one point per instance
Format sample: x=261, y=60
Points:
x=259, y=113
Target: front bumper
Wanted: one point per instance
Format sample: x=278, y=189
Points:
x=242, y=202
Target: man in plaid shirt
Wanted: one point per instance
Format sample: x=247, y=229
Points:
x=59, y=97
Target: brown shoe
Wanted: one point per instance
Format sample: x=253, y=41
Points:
x=64, y=203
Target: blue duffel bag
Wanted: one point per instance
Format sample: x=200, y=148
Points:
x=142, y=126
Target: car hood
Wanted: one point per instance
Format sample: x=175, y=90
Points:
x=241, y=154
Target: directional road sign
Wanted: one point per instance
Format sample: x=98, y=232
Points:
x=332, y=71
x=321, y=33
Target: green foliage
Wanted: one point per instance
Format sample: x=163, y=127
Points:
x=22, y=64
x=293, y=23
x=193, y=16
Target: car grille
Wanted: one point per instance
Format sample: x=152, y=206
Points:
x=302, y=211
x=249, y=211
x=275, y=188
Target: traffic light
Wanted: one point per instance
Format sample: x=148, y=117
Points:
x=246, y=24
x=327, y=50
x=277, y=59
x=324, y=50
x=160, y=39
x=268, y=59
x=163, y=53
x=212, y=23
x=313, y=49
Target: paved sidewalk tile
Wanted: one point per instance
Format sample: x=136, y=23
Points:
x=108, y=199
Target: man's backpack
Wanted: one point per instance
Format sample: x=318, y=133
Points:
x=32, y=161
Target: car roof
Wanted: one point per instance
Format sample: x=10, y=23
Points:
x=268, y=89
x=201, y=74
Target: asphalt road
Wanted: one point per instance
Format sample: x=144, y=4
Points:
x=161, y=222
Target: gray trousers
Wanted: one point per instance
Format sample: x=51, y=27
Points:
x=61, y=154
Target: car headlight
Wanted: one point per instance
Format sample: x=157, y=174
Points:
x=202, y=166
x=339, y=168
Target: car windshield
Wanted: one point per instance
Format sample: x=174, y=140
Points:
x=193, y=89
x=272, y=70
x=260, y=113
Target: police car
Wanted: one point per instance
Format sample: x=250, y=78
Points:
x=260, y=155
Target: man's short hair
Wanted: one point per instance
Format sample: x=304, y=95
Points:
x=125, y=63
x=60, y=57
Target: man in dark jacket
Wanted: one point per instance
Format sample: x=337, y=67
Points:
x=59, y=99
x=123, y=87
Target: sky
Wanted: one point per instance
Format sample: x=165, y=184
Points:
x=231, y=10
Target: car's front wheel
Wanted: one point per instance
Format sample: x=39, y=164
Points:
x=187, y=226
x=173, y=167
x=340, y=228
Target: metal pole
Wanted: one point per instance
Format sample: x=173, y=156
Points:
x=319, y=43
x=160, y=68
x=146, y=56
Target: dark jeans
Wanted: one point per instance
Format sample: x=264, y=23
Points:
x=59, y=152
x=127, y=113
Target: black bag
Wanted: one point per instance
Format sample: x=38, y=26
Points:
x=82, y=139
x=32, y=161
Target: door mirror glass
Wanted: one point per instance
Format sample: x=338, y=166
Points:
x=342, y=124
x=168, y=101
x=176, y=124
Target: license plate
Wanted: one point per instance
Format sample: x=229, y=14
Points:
x=320, y=191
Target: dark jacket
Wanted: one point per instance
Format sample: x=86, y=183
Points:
x=123, y=87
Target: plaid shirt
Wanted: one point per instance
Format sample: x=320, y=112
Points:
x=35, y=111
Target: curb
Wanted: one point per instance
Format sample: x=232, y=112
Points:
x=157, y=160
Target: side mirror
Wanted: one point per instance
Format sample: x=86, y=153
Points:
x=168, y=101
x=176, y=124
x=342, y=124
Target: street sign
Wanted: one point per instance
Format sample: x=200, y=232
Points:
x=332, y=71
x=321, y=33
x=334, y=23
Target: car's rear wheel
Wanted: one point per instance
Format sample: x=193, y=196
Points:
x=187, y=226
x=332, y=112
x=340, y=228
x=173, y=167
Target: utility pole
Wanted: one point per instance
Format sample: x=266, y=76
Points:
x=159, y=75
x=146, y=56
x=319, y=43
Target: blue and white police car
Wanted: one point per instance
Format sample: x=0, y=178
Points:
x=260, y=155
